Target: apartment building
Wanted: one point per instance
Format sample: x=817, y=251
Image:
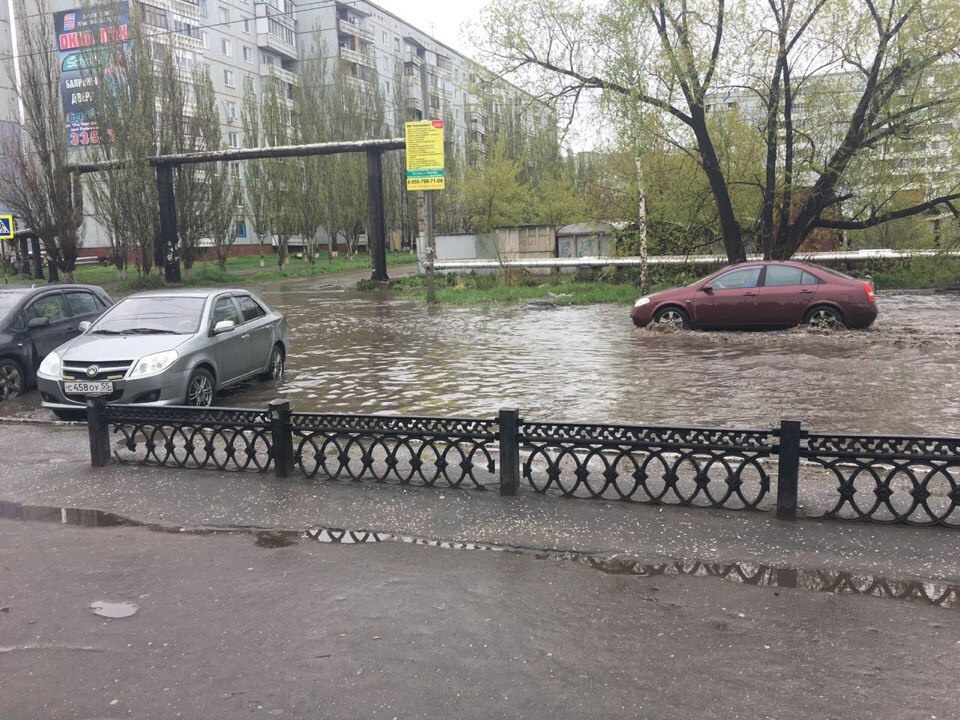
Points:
x=259, y=41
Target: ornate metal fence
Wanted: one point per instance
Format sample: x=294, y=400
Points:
x=877, y=479
x=405, y=450
x=219, y=439
x=890, y=479
x=680, y=466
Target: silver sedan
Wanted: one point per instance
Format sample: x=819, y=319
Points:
x=170, y=347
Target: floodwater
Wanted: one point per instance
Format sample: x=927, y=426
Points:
x=834, y=582
x=355, y=354
x=386, y=354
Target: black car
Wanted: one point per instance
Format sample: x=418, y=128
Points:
x=34, y=321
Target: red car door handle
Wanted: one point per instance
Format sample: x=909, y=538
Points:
x=749, y=294
x=806, y=292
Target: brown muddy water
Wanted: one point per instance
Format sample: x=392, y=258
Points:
x=385, y=354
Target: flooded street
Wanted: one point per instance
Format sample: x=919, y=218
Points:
x=366, y=353
x=355, y=354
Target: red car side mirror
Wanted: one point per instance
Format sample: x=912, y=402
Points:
x=707, y=289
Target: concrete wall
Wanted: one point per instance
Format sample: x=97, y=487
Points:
x=532, y=241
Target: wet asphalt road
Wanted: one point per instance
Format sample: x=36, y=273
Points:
x=370, y=353
x=226, y=629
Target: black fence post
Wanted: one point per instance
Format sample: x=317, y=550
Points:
x=509, y=422
x=282, y=440
x=168, y=224
x=378, y=233
x=788, y=469
x=24, y=256
x=99, y=432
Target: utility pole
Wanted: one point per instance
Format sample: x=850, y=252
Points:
x=425, y=200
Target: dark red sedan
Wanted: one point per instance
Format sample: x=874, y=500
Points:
x=763, y=296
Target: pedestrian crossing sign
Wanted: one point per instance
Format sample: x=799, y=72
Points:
x=6, y=227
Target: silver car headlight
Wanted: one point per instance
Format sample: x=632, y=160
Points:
x=51, y=367
x=153, y=364
x=642, y=301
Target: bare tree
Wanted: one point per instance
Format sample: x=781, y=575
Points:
x=38, y=187
x=883, y=71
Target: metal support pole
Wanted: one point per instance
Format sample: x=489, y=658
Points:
x=509, y=422
x=99, y=432
x=788, y=469
x=37, y=257
x=428, y=211
x=168, y=224
x=24, y=257
x=378, y=231
x=282, y=438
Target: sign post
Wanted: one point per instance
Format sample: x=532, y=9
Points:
x=426, y=173
x=6, y=233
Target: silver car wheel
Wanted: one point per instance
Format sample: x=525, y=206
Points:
x=200, y=392
x=825, y=319
x=276, y=364
x=11, y=381
x=671, y=319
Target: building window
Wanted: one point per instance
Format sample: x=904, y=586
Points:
x=280, y=31
x=233, y=139
x=230, y=110
x=224, y=15
x=184, y=26
x=226, y=47
x=246, y=25
x=154, y=16
x=228, y=78
x=205, y=39
x=396, y=44
x=247, y=54
x=202, y=5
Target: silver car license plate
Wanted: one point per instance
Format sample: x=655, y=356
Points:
x=100, y=387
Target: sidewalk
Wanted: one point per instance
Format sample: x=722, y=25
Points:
x=45, y=464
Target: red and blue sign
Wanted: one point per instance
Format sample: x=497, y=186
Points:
x=84, y=37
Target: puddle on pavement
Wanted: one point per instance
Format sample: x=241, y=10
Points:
x=834, y=582
x=114, y=610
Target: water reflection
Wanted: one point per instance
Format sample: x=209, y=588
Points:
x=834, y=582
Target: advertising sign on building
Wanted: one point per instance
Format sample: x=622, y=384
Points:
x=84, y=37
x=425, y=158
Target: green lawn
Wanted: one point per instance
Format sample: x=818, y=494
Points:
x=242, y=270
x=469, y=290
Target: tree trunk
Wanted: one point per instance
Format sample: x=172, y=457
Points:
x=710, y=162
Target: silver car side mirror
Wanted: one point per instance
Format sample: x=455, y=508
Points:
x=84, y=326
x=224, y=326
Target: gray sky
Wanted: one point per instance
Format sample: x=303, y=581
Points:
x=440, y=18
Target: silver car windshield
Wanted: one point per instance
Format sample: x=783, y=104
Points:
x=152, y=316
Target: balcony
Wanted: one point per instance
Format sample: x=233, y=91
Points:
x=440, y=73
x=356, y=30
x=358, y=58
x=285, y=76
x=362, y=85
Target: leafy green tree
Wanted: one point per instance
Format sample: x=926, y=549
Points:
x=494, y=195
x=868, y=75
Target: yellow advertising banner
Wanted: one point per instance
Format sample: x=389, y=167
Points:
x=425, y=159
